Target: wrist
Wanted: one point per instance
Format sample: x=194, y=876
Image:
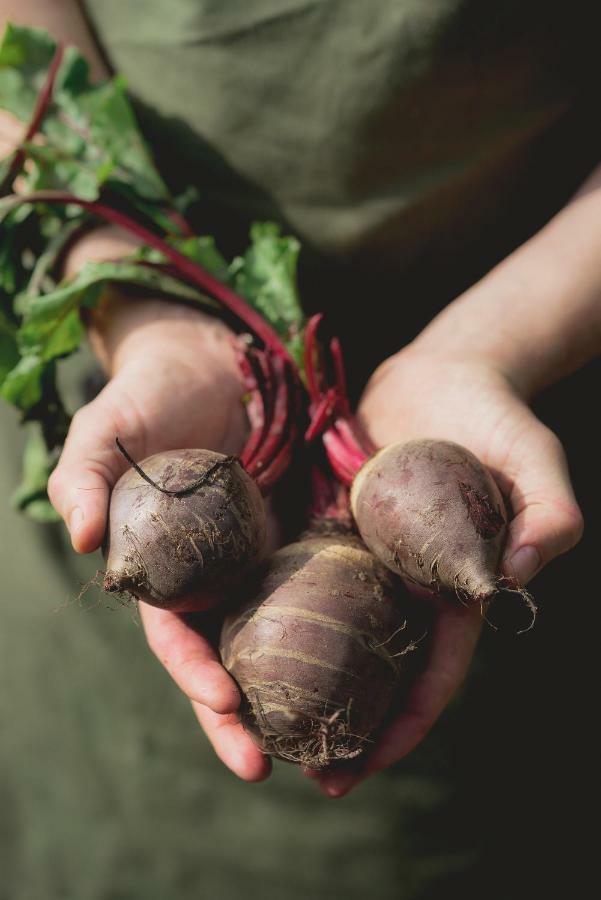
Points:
x=123, y=325
x=490, y=327
x=127, y=327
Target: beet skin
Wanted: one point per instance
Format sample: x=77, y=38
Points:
x=317, y=651
x=169, y=548
x=434, y=514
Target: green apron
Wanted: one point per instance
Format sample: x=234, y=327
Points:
x=410, y=144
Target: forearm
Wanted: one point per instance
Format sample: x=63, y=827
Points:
x=537, y=315
x=123, y=325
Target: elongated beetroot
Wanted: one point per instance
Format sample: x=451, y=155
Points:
x=433, y=513
x=199, y=524
x=317, y=650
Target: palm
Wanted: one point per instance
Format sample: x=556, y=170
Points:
x=152, y=404
x=468, y=402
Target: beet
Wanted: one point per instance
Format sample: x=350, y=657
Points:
x=200, y=525
x=434, y=514
x=317, y=650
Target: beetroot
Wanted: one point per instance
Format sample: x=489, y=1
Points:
x=433, y=513
x=317, y=650
x=199, y=525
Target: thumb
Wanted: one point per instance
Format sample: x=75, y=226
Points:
x=90, y=464
x=547, y=519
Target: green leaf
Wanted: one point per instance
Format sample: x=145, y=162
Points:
x=52, y=326
x=25, y=55
x=89, y=131
x=22, y=386
x=31, y=495
x=9, y=353
x=266, y=277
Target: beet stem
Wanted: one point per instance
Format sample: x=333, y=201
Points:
x=43, y=101
x=185, y=266
x=311, y=352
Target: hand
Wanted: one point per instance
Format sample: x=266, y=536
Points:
x=175, y=383
x=417, y=394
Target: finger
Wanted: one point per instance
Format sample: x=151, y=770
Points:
x=190, y=659
x=547, y=519
x=233, y=745
x=454, y=637
x=89, y=466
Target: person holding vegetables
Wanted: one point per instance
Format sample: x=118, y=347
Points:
x=443, y=182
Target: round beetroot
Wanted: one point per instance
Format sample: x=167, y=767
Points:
x=200, y=526
x=317, y=650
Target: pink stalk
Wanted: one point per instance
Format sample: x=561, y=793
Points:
x=346, y=448
x=255, y=408
x=323, y=415
x=43, y=101
x=279, y=421
x=269, y=448
x=185, y=266
x=278, y=465
x=353, y=436
x=340, y=374
x=311, y=353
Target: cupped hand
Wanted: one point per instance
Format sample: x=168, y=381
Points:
x=174, y=384
x=419, y=394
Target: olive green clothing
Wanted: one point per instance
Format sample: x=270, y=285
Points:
x=410, y=143
x=109, y=791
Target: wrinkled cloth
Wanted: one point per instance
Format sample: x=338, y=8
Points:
x=109, y=790
x=410, y=144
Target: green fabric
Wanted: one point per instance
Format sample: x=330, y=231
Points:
x=410, y=144
x=377, y=126
x=109, y=791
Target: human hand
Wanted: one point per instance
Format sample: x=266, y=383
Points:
x=421, y=393
x=175, y=383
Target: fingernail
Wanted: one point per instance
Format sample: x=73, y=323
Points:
x=75, y=520
x=524, y=564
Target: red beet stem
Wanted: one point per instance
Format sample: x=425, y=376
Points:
x=43, y=101
x=279, y=423
x=180, y=222
x=354, y=437
x=344, y=466
x=269, y=448
x=340, y=376
x=311, y=358
x=346, y=447
x=255, y=408
x=185, y=266
x=323, y=415
x=272, y=473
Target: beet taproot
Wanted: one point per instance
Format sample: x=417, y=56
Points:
x=180, y=523
x=317, y=650
x=433, y=514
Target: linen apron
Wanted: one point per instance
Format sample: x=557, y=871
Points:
x=410, y=145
